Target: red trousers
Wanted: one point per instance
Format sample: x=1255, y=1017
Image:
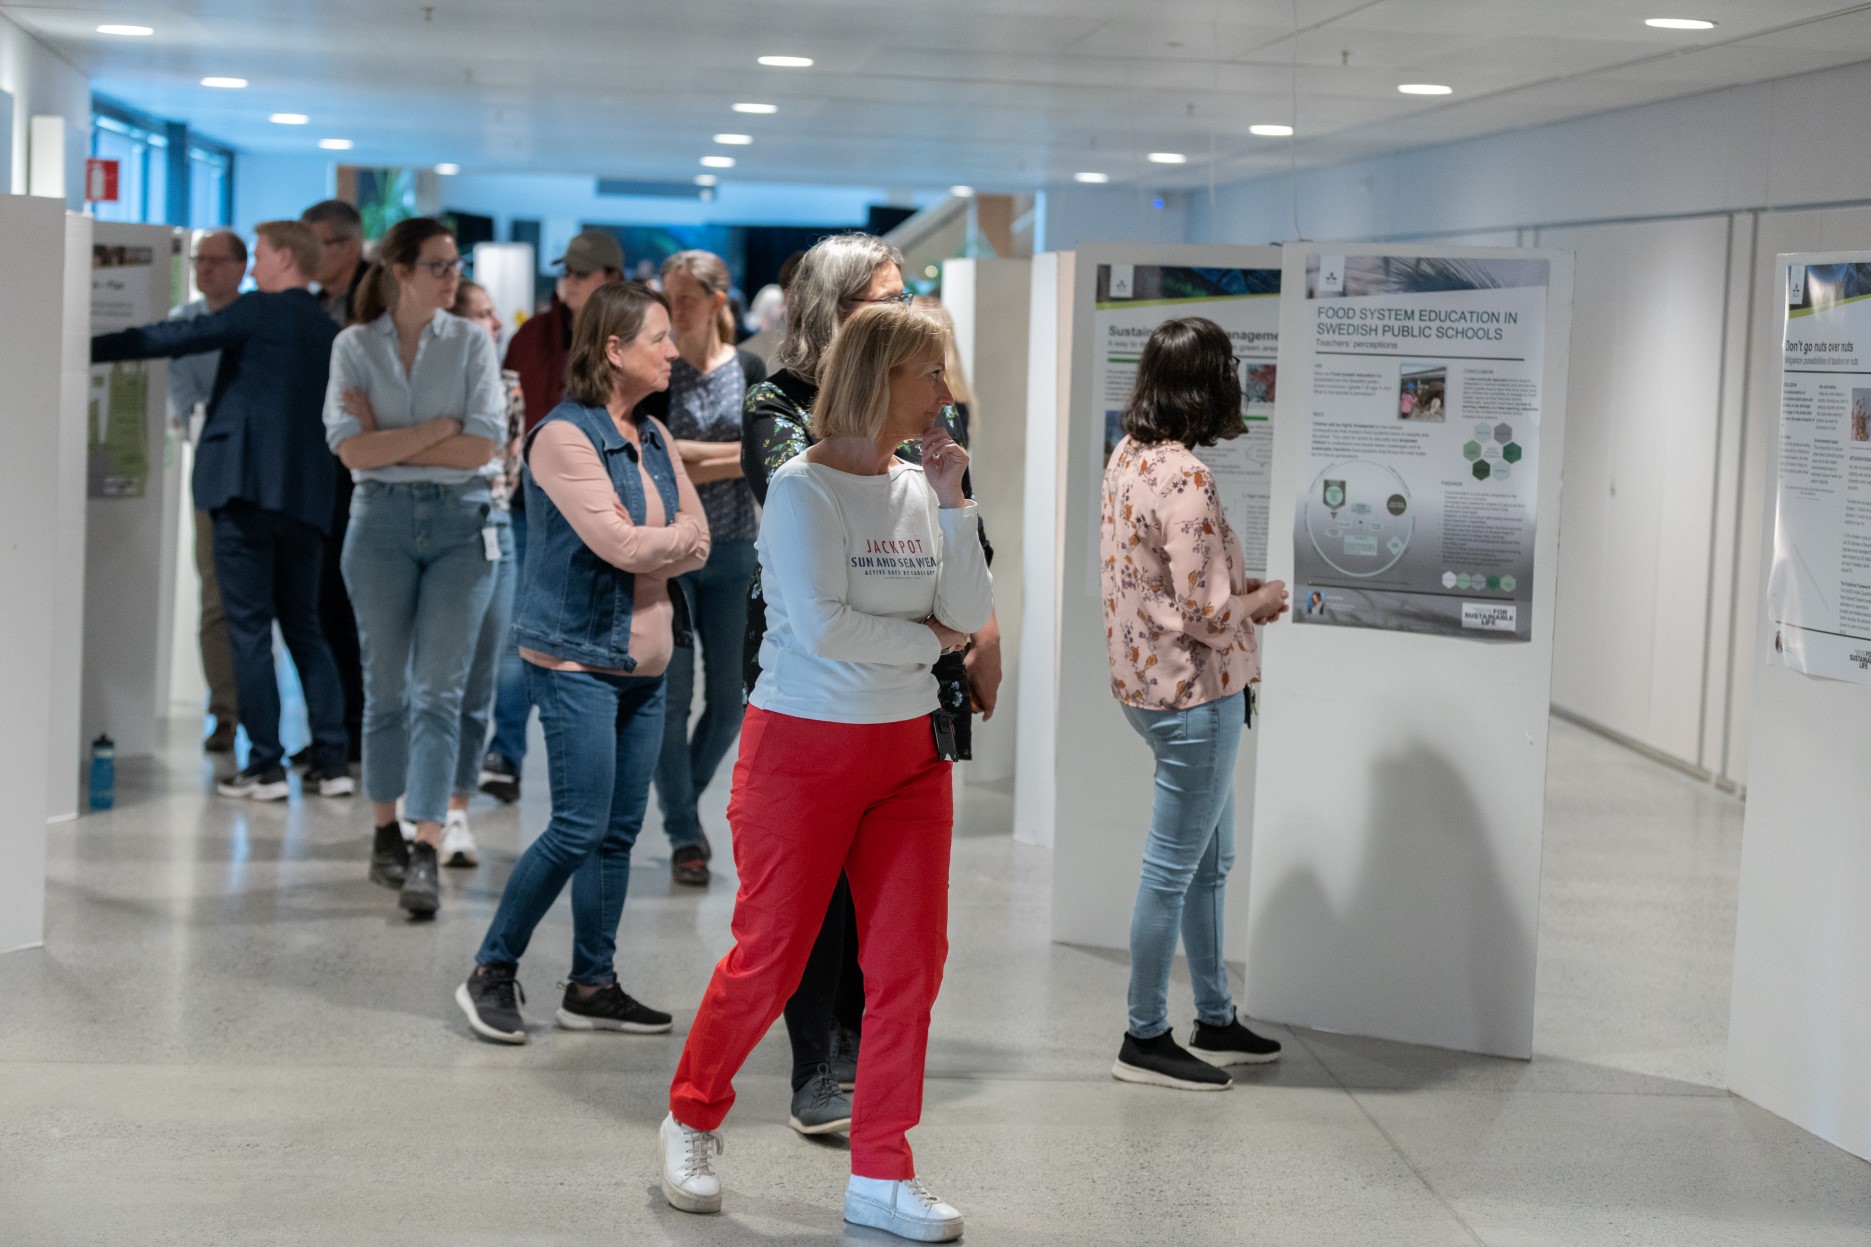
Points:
x=811, y=799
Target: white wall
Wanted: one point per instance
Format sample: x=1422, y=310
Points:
x=43, y=83
x=1073, y=216
x=272, y=187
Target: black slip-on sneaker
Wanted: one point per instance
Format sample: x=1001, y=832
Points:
x=1232, y=1044
x=422, y=887
x=389, y=856
x=1162, y=1062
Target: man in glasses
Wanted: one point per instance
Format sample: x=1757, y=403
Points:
x=220, y=263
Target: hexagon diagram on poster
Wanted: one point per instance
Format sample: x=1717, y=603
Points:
x=1358, y=517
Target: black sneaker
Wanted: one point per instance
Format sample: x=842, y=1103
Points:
x=1232, y=1044
x=491, y=998
x=389, y=856
x=1162, y=1062
x=821, y=1106
x=336, y=783
x=422, y=888
x=300, y=760
x=688, y=865
x=267, y=785
x=500, y=778
x=844, y=1067
x=610, y=1008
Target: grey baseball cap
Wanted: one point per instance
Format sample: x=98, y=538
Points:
x=592, y=251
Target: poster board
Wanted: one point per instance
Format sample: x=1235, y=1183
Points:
x=1397, y=829
x=133, y=485
x=1096, y=773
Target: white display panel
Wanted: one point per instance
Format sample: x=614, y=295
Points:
x=64, y=771
x=1081, y=767
x=1397, y=826
x=133, y=487
x=507, y=271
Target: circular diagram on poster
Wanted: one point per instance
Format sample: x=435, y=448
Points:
x=1359, y=517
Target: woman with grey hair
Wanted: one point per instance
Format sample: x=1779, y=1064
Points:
x=836, y=278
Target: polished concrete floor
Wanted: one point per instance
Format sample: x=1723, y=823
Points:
x=232, y=1037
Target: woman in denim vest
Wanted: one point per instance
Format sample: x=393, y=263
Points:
x=611, y=521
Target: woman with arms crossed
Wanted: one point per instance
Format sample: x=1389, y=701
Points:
x=1179, y=615
x=872, y=568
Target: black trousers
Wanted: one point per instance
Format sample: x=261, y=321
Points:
x=830, y=992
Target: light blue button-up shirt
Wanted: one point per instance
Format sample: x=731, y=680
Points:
x=191, y=377
x=456, y=374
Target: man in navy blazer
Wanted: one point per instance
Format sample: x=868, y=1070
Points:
x=263, y=471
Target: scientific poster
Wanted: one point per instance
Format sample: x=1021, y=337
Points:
x=1819, y=590
x=118, y=463
x=1131, y=301
x=1420, y=499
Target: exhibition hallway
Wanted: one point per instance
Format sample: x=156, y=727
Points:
x=229, y=1037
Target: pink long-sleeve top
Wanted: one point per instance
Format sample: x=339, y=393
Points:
x=1173, y=579
x=568, y=467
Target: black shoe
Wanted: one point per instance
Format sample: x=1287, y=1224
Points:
x=610, y=1008
x=221, y=740
x=500, y=778
x=1232, y=1044
x=821, y=1106
x=267, y=785
x=1162, y=1062
x=422, y=887
x=844, y=1066
x=689, y=866
x=333, y=783
x=489, y=1000
x=389, y=856
x=300, y=760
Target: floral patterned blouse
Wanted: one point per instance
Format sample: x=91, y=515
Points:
x=1172, y=578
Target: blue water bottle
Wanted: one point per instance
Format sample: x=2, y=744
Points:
x=103, y=773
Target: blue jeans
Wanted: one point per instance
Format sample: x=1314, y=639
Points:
x=268, y=566
x=513, y=705
x=419, y=580
x=602, y=734
x=1186, y=860
x=477, y=696
x=718, y=593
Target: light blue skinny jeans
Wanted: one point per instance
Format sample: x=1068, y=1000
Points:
x=1186, y=859
x=419, y=579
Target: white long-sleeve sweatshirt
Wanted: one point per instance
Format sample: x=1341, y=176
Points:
x=850, y=566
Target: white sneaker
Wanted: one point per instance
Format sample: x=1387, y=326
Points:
x=905, y=1209
x=457, y=841
x=687, y=1157
x=403, y=824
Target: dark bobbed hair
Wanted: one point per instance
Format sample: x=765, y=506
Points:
x=616, y=310
x=402, y=245
x=1188, y=386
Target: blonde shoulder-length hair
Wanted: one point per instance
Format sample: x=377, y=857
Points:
x=854, y=378
x=835, y=272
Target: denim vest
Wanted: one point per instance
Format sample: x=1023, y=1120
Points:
x=571, y=603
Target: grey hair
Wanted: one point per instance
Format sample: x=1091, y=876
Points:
x=343, y=218
x=836, y=271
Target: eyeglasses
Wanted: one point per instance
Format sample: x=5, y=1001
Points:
x=901, y=296
x=440, y=268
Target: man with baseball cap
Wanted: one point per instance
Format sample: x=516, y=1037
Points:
x=538, y=352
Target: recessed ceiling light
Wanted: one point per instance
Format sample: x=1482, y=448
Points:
x=734, y=140
x=718, y=162
x=336, y=145
x=962, y=192
x=787, y=62
x=1425, y=88
x=1167, y=158
x=447, y=169
x=226, y=84
x=1270, y=132
x=132, y=32
x=1679, y=23
x=289, y=119
x=1091, y=177
x=760, y=110
x=706, y=179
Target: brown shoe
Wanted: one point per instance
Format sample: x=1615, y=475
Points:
x=221, y=740
x=689, y=866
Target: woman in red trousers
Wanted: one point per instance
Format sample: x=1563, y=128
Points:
x=872, y=569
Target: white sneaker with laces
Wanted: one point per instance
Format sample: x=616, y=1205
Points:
x=906, y=1209
x=688, y=1160
x=404, y=825
x=457, y=841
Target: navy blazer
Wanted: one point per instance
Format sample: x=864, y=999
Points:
x=264, y=439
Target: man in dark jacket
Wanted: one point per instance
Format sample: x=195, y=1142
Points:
x=263, y=472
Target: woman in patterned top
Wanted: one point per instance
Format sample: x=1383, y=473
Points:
x=702, y=408
x=1179, y=616
x=472, y=302
x=838, y=276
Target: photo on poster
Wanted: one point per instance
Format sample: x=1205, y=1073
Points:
x=1420, y=508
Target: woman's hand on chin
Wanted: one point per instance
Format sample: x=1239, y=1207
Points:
x=944, y=462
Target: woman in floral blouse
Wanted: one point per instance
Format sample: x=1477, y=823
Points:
x=1179, y=616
